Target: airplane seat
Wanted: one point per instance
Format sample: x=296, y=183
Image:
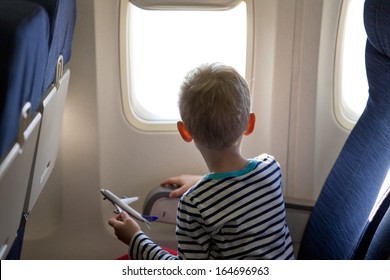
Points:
x=61, y=17
x=17, y=87
x=375, y=243
x=379, y=248
x=340, y=217
x=24, y=35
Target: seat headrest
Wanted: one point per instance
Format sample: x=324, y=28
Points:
x=24, y=28
x=377, y=24
x=62, y=16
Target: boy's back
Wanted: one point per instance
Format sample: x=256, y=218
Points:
x=236, y=215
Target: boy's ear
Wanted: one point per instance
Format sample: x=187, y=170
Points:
x=251, y=124
x=184, y=132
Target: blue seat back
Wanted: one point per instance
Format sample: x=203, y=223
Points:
x=341, y=213
x=24, y=32
x=62, y=16
x=379, y=248
x=34, y=38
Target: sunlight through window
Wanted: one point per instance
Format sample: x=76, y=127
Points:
x=385, y=187
x=164, y=45
x=352, y=88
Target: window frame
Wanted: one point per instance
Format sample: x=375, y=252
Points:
x=124, y=53
x=344, y=116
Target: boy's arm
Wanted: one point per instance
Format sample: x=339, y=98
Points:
x=193, y=240
x=142, y=248
x=184, y=182
x=124, y=226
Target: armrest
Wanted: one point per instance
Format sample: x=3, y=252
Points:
x=299, y=204
x=158, y=203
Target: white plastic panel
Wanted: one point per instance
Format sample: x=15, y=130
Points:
x=49, y=138
x=14, y=177
x=158, y=204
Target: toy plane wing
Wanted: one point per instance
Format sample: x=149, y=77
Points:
x=121, y=204
x=128, y=200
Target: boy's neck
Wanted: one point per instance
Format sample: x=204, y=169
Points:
x=226, y=160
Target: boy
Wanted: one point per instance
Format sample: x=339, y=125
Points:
x=237, y=210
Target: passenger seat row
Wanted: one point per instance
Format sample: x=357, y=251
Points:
x=36, y=38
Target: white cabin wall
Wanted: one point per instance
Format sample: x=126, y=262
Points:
x=295, y=49
x=266, y=138
x=303, y=99
x=284, y=85
x=330, y=136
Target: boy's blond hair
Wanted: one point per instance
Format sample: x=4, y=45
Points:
x=214, y=105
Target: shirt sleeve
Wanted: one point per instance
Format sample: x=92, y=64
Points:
x=143, y=248
x=193, y=239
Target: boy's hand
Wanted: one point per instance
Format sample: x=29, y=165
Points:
x=185, y=182
x=124, y=226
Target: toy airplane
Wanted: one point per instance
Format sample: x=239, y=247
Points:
x=121, y=204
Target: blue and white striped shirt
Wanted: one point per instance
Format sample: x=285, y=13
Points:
x=232, y=215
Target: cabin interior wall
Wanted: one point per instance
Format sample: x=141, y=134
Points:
x=330, y=136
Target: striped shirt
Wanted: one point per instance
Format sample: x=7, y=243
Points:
x=232, y=215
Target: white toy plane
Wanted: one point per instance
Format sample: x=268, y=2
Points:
x=121, y=204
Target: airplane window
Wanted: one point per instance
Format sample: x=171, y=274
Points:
x=351, y=80
x=163, y=45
